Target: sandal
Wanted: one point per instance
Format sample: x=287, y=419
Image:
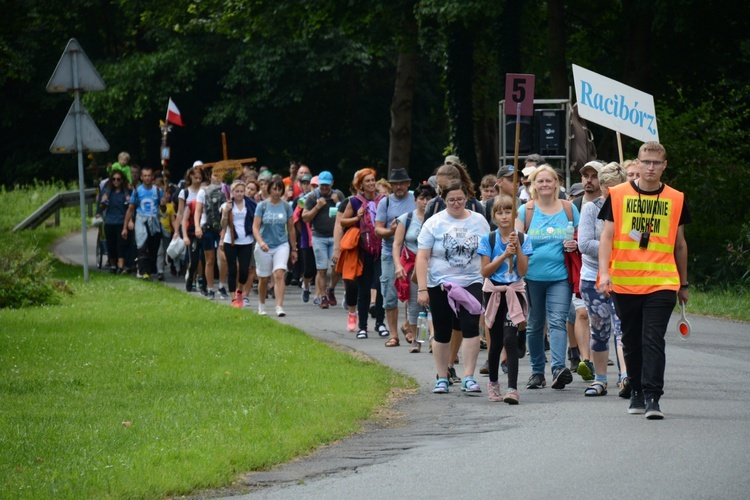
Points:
x=362, y=334
x=382, y=331
x=596, y=389
x=392, y=342
x=624, y=388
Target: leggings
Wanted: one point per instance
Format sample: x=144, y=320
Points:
x=237, y=255
x=445, y=320
x=504, y=334
x=370, y=269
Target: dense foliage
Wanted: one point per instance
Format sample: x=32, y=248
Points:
x=314, y=81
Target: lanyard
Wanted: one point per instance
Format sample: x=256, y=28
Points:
x=640, y=209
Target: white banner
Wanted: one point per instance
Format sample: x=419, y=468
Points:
x=615, y=105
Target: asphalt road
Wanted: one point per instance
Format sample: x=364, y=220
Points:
x=554, y=444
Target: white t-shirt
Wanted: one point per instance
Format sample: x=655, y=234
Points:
x=238, y=217
x=191, y=195
x=453, y=244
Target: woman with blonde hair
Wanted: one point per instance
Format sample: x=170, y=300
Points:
x=545, y=221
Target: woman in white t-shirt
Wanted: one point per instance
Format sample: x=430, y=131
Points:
x=237, y=222
x=447, y=259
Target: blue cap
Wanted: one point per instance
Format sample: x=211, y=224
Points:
x=325, y=177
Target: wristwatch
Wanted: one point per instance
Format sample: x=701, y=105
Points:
x=685, y=286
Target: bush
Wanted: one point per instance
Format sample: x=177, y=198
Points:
x=26, y=277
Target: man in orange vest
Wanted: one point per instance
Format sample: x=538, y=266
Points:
x=643, y=263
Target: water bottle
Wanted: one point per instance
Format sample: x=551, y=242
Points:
x=570, y=232
x=423, y=332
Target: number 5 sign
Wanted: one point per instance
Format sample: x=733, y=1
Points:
x=519, y=89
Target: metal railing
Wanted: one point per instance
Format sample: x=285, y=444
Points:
x=53, y=206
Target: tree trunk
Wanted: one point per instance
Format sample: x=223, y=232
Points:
x=401, y=111
x=556, y=42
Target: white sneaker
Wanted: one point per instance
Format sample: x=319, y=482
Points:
x=280, y=312
x=262, y=309
x=246, y=301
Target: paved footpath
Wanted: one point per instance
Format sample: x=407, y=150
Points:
x=554, y=444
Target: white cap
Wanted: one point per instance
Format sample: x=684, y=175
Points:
x=197, y=163
x=527, y=171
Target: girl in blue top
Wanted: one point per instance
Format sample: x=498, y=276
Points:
x=549, y=292
x=275, y=238
x=504, y=294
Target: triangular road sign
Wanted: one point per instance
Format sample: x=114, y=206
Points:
x=62, y=78
x=91, y=138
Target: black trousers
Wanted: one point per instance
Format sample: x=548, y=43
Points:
x=237, y=255
x=644, y=325
x=147, y=254
x=370, y=271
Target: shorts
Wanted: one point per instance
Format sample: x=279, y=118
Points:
x=210, y=241
x=323, y=250
x=268, y=262
x=387, y=280
x=575, y=305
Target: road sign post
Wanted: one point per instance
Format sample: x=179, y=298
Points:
x=75, y=73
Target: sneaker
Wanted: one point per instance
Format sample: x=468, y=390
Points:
x=586, y=370
x=561, y=377
x=316, y=301
x=324, y=302
x=202, y=285
x=331, y=297
x=223, y=293
x=160, y=276
x=415, y=348
x=470, y=385
x=144, y=276
x=351, y=322
x=382, y=331
x=575, y=358
x=246, y=301
x=262, y=309
x=504, y=367
x=237, y=302
x=536, y=381
x=362, y=334
x=485, y=369
x=189, y=287
x=280, y=312
x=441, y=386
x=511, y=397
x=453, y=378
x=211, y=295
x=493, y=388
x=305, y=295
x=653, y=412
x=637, y=404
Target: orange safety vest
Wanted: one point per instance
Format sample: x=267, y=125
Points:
x=641, y=271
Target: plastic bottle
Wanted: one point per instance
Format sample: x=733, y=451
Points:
x=423, y=332
x=570, y=232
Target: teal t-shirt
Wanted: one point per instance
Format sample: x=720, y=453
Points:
x=547, y=233
x=501, y=274
x=273, y=221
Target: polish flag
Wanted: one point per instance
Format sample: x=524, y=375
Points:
x=173, y=114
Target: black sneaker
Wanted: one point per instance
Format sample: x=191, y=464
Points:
x=561, y=377
x=160, y=276
x=574, y=356
x=521, y=335
x=452, y=377
x=536, y=381
x=653, y=412
x=210, y=295
x=223, y=293
x=637, y=404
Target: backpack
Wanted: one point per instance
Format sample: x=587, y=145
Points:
x=581, y=142
x=369, y=242
x=214, y=198
x=567, y=206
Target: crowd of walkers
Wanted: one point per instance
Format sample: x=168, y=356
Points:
x=606, y=260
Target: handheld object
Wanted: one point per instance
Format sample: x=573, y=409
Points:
x=683, y=326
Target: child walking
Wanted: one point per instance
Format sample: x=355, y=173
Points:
x=504, y=294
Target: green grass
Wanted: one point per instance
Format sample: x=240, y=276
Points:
x=132, y=389
x=720, y=304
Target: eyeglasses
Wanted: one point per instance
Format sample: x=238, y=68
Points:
x=651, y=163
x=455, y=200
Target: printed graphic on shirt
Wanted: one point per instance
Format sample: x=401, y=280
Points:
x=459, y=249
x=638, y=214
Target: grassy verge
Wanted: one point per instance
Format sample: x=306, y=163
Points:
x=131, y=389
x=720, y=304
